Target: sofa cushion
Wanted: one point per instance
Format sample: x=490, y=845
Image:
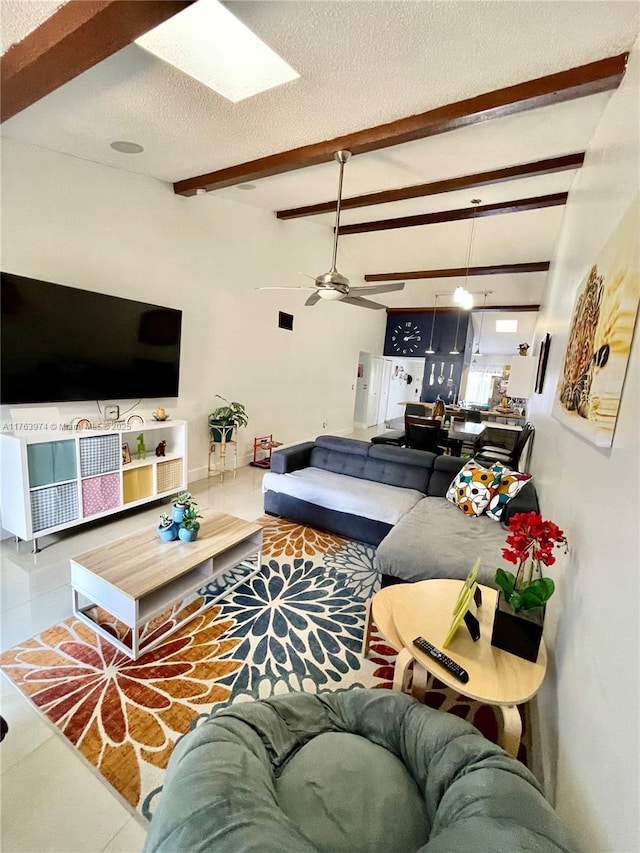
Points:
x=444, y=470
x=510, y=484
x=400, y=466
x=435, y=540
x=343, y=445
x=472, y=488
x=343, y=792
x=342, y=493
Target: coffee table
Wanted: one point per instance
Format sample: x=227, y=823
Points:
x=138, y=577
x=406, y=611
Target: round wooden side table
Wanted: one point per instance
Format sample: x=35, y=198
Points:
x=425, y=609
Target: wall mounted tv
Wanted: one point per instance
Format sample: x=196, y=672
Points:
x=62, y=344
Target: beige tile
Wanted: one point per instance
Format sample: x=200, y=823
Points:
x=27, y=729
x=130, y=839
x=21, y=582
x=51, y=801
x=26, y=620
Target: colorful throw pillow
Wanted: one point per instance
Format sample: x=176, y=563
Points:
x=473, y=487
x=508, y=485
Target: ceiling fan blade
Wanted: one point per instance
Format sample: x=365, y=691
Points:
x=379, y=288
x=362, y=303
x=285, y=287
x=315, y=297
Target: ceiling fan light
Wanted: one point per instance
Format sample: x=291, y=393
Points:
x=331, y=295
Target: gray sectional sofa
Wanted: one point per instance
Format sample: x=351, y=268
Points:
x=392, y=497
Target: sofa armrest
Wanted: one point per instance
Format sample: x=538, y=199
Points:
x=288, y=459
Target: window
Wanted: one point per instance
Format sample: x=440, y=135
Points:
x=481, y=383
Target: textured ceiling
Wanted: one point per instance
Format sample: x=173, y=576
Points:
x=361, y=64
x=18, y=18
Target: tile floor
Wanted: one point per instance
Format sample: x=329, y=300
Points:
x=50, y=799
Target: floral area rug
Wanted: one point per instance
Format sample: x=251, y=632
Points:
x=295, y=626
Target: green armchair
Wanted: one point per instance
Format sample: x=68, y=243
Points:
x=357, y=771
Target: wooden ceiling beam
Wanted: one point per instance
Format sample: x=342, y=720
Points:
x=440, y=216
x=76, y=37
x=515, y=309
x=478, y=179
x=455, y=272
x=600, y=76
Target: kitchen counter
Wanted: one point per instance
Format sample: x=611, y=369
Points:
x=455, y=411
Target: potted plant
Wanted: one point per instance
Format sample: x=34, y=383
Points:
x=189, y=526
x=519, y=617
x=181, y=503
x=167, y=529
x=224, y=419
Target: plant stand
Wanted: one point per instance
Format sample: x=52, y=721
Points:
x=263, y=444
x=221, y=448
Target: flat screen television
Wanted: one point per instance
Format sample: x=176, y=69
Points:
x=63, y=344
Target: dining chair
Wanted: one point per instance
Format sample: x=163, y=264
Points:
x=487, y=454
x=474, y=416
x=420, y=435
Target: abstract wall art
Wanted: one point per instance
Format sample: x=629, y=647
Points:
x=600, y=336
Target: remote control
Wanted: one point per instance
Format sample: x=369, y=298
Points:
x=455, y=669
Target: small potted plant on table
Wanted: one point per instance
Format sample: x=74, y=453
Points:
x=520, y=609
x=181, y=504
x=167, y=529
x=224, y=419
x=189, y=526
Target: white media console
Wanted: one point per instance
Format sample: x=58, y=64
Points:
x=52, y=480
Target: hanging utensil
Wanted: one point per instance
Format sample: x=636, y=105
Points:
x=450, y=383
x=441, y=377
x=432, y=378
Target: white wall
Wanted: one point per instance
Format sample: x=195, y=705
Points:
x=77, y=223
x=399, y=390
x=588, y=709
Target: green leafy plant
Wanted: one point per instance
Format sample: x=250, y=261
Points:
x=190, y=518
x=531, y=541
x=183, y=499
x=232, y=414
x=165, y=520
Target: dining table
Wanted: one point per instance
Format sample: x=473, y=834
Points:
x=457, y=433
x=454, y=433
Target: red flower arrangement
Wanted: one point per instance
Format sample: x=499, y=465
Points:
x=531, y=543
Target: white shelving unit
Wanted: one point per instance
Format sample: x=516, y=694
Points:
x=50, y=483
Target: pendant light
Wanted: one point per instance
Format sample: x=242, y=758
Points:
x=461, y=295
x=455, y=350
x=431, y=350
x=484, y=305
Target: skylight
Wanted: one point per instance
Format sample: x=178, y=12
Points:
x=210, y=44
x=506, y=325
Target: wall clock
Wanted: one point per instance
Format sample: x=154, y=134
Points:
x=406, y=338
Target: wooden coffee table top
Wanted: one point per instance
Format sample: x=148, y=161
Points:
x=141, y=563
x=425, y=609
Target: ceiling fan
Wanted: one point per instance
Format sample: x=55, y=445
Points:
x=332, y=285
